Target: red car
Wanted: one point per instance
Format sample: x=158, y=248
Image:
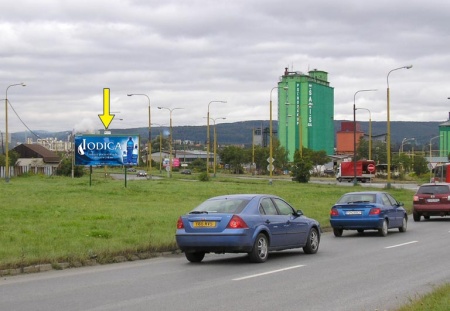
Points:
x=432, y=199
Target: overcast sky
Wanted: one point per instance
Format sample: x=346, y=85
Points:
x=187, y=53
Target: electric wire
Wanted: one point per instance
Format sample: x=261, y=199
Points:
x=10, y=105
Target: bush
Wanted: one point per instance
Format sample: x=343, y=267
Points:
x=301, y=171
x=204, y=176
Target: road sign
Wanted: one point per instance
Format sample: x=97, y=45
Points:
x=371, y=168
x=270, y=167
x=270, y=160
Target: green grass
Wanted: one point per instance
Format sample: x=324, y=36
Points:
x=56, y=219
x=438, y=300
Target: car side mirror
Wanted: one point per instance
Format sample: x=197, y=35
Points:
x=298, y=213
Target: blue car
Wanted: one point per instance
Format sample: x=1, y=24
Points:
x=245, y=223
x=369, y=210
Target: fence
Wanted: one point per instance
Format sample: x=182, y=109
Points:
x=15, y=171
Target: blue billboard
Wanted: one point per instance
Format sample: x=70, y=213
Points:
x=112, y=150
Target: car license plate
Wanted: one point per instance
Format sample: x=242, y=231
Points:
x=204, y=224
x=432, y=200
x=353, y=213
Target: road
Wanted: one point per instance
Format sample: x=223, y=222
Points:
x=354, y=272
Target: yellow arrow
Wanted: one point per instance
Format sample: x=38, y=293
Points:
x=106, y=117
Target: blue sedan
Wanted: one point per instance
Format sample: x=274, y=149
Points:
x=369, y=210
x=245, y=223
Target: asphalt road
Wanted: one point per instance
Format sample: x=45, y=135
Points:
x=354, y=272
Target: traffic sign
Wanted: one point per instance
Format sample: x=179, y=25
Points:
x=270, y=160
x=270, y=167
x=371, y=168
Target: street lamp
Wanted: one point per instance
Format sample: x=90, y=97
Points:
x=207, y=134
x=160, y=145
x=6, y=132
x=271, y=134
x=170, y=139
x=431, y=167
x=404, y=141
x=388, y=134
x=215, y=142
x=354, y=133
x=149, y=142
x=370, y=131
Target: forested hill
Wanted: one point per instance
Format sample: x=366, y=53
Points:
x=241, y=132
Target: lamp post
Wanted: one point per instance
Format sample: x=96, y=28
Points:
x=271, y=133
x=404, y=141
x=207, y=134
x=215, y=142
x=170, y=139
x=6, y=132
x=355, y=181
x=160, y=145
x=370, y=131
x=149, y=142
x=388, y=134
x=431, y=167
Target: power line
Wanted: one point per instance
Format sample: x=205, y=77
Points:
x=22, y=120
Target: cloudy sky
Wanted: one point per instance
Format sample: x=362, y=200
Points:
x=187, y=53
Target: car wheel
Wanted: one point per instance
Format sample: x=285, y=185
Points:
x=383, y=231
x=360, y=230
x=416, y=216
x=338, y=232
x=339, y=179
x=195, y=257
x=404, y=225
x=426, y=217
x=312, y=244
x=260, y=250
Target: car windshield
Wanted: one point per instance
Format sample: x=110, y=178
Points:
x=357, y=198
x=433, y=189
x=225, y=205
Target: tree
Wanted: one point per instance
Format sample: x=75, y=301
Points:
x=301, y=168
x=234, y=157
x=420, y=165
x=65, y=169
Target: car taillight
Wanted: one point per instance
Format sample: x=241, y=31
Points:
x=334, y=212
x=236, y=222
x=416, y=198
x=180, y=224
x=375, y=211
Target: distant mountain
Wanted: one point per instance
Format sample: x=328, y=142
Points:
x=241, y=132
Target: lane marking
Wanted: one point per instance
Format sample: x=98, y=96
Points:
x=398, y=245
x=268, y=272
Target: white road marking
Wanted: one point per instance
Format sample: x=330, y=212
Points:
x=398, y=245
x=268, y=272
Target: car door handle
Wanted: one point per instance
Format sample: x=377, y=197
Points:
x=267, y=221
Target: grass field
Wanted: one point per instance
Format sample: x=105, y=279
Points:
x=54, y=219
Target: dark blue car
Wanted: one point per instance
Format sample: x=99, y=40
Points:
x=369, y=210
x=245, y=223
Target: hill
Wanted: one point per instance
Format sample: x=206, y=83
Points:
x=240, y=133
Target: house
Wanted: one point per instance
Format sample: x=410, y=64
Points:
x=36, y=159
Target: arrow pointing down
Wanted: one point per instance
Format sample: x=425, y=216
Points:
x=106, y=117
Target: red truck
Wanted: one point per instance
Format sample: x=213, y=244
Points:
x=365, y=171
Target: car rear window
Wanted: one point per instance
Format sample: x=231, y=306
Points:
x=227, y=206
x=433, y=189
x=357, y=198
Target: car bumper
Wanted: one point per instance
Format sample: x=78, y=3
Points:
x=431, y=209
x=361, y=223
x=211, y=243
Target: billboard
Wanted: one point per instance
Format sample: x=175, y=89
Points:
x=112, y=150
